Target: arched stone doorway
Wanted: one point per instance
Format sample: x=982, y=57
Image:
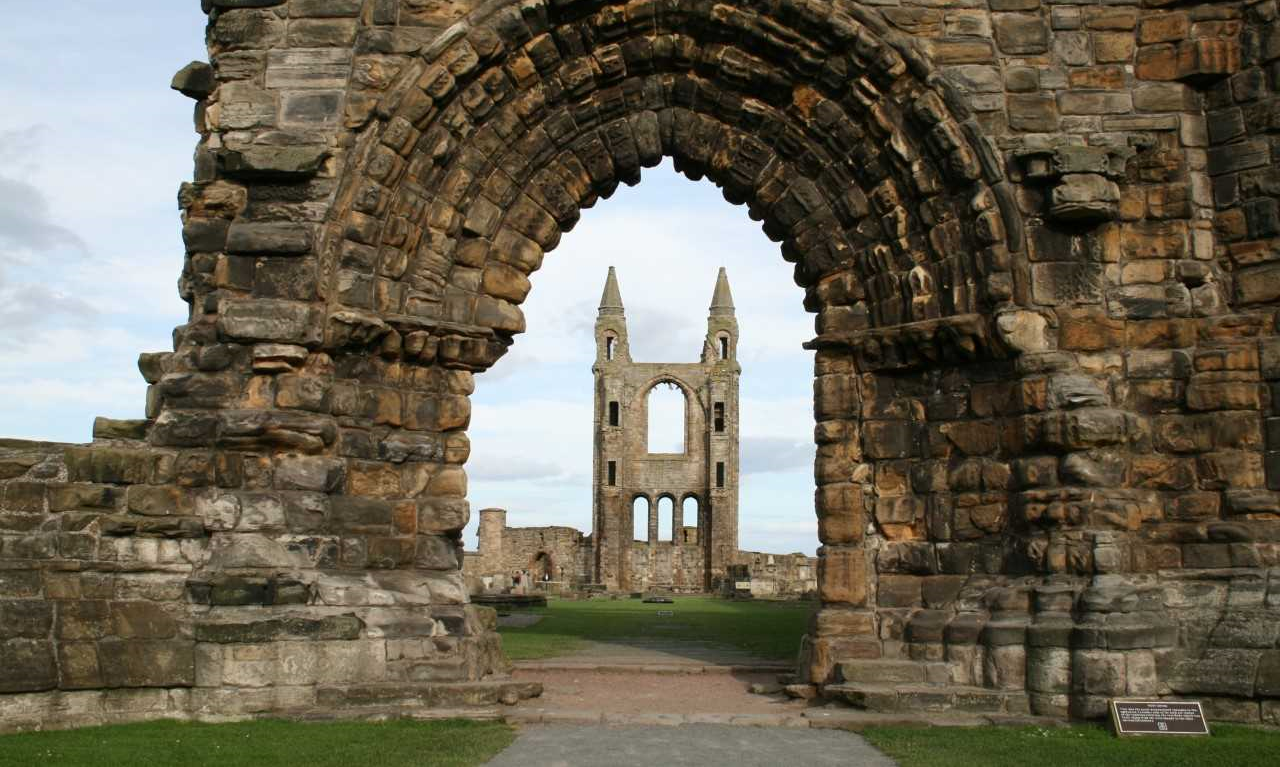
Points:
x=892, y=208
x=542, y=568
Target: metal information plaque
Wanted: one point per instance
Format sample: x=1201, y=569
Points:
x=1158, y=717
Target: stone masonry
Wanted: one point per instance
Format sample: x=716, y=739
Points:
x=624, y=470
x=1042, y=244
x=567, y=557
x=697, y=558
x=563, y=554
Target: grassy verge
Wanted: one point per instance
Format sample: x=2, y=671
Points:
x=1021, y=746
x=769, y=630
x=453, y=743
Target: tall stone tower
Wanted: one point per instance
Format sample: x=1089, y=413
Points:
x=700, y=550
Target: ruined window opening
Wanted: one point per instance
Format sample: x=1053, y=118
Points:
x=667, y=418
x=689, y=519
x=613, y=473
x=724, y=347
x=666, y=518
x=608, y=347
x=640, y=519
x=719, y=416
x=613, y=413
x=720, y=474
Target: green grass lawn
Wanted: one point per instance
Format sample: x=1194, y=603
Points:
x=452, y=743
x=1079, y=745
x=770, y=630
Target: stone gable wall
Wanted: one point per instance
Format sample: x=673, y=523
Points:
x=1039, y=240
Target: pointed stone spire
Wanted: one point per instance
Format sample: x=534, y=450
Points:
x=611, y=299
x=722, y=299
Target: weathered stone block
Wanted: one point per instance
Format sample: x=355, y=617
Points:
x=268, y=320
x=1066, y=283
x=319, y=474
x=194, y=81
x=842, y=575
x=275, y=163
x=1021, y=33
x=27, y=665
x=1216, y=672
x=25, y=618
x=361, y=515
x=162, y=500
x=245, y=238
x=338, y=627
x=144, y=620
x=78, y=666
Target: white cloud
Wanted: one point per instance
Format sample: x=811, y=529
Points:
x=763, y=455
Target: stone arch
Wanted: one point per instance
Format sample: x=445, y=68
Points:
x=691, y=401
x=650, y=506
x=827, y=125
x=542, y=563
x=360, y=231
x=696, y=520
x=666, y=525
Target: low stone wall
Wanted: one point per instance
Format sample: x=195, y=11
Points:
x=773, y=575
x=142, y=583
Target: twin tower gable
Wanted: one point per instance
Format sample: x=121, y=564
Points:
x=629, y=480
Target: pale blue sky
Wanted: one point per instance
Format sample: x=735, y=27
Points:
x=93, y=146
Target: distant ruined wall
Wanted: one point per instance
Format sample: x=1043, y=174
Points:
x=624, y=471
x=1040, y=241
x=773, y=575
x=568, y=556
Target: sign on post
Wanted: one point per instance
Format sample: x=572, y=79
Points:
x=1158, y=717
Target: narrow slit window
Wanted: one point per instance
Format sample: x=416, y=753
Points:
x=613, y=473
x=724, y=347
x=720, y=474
x=719, y=416
x=613, y=413
x=608, y=347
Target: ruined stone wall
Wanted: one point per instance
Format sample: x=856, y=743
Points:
x=773, y=575
x=706, y=470
x=668, y=566
x=1040, y=241
x=1092, y=517
x=523, y=545
x=147, y=583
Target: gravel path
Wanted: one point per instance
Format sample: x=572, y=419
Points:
x=613, y=692
x=694, y=745
x=647, y=652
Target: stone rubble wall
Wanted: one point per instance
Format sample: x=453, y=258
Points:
x=660, y=565
x=144, y=583
x=526, y=548
x=1040, y=241
x=774, y=575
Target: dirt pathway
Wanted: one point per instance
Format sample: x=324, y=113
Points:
x=655, y=678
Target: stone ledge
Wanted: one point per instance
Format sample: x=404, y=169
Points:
x=574, y=716
x=60, y=710
x=920, y=697
x=668, y=668
x=961, y=339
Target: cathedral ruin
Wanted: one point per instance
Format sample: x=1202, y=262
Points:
x=1041, y=242
x=701, y=554
x=696, y=557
